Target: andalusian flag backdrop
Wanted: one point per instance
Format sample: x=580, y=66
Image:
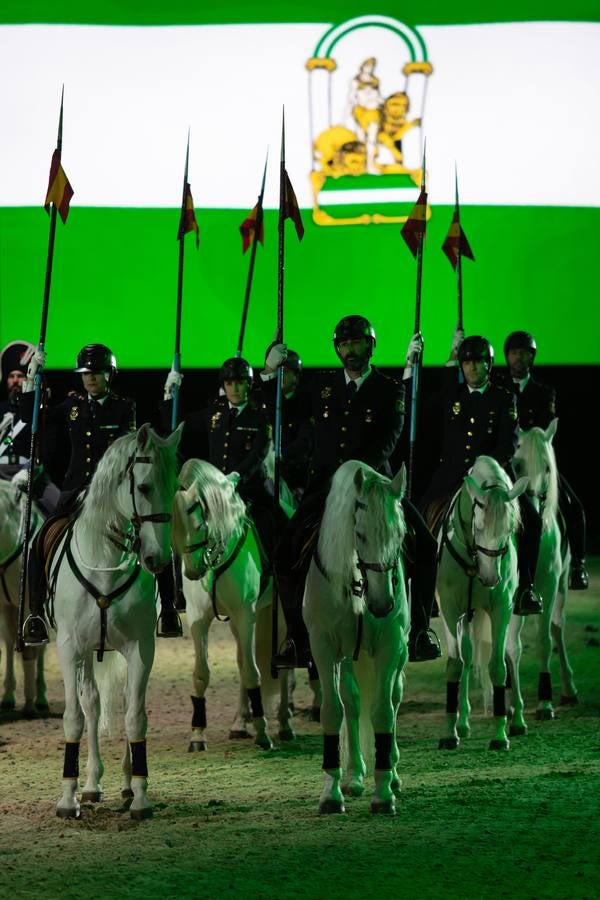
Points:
x=506, y=90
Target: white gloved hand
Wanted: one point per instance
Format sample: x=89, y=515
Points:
x=174, y=380
x=20, y=479
x=276, y=356
x=414, y=349
x=37, y=363
x=457, y=339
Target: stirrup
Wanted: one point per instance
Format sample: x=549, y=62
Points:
x=527, y=602
x=578, y=579
x=425, y=646
x=35, y=632
x=169, y=624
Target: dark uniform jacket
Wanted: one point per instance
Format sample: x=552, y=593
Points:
x=21, y=445
x=474, y=424
x=295, y=435
x=536, y=404
x=365, y=425
x=232, y=443
x=89, y=437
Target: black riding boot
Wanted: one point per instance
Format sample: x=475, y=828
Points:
x=574, y=515
x=527, y=602
x=421, y=567
x=169, y=623
x=295, y=650
x=35, y=630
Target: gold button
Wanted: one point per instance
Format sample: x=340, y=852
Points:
x=471, y=420
x=342, y=445
x=226, y=444
x=88, y=459
x=223, y=468
x=346, y=412
x=88, y=434
x=88, y=446
x=344, y=428
x=467, y=459
x=226, y=434
x=470, y=433
x=467, y=446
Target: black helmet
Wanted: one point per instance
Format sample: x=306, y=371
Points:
x=476, y=347
x=15, y=357
x=235, y=369
x=96, y=358
x=353, y=327
x=520, y=340
x=293, y=362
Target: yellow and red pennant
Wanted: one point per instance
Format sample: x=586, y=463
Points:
x=59, y=189
x=416, y=224
x=456, y=243
x=188, y=216
x=248, y=228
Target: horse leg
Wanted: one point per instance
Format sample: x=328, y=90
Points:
x=454, y=667
x=568, y=689
x=246, y=637
x=500, y=616
x=41, y=700
x=545, y=710
x=332, y=714
x=463, y=727
x=383, y=717
x=397, y=692
x=314, y=684
x=514, y=649
x=140, y=657
x=200, y=680
x=353, y=784
x=73, y=722
x=89, y=698
x=274, y=690
x=239, y=727
x=28, y=658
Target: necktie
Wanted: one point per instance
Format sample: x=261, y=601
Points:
x=233, y=414
x=350, y=390
x=94, y=406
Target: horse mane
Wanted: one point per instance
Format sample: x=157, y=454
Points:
x=385, y=525
x=488, y=473
x=225, y=509
x=539, y=461
x=100, y=504
x=9, y=494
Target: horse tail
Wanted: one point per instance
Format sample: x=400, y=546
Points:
x=481, y=635
x=364, y=672
x=111, y=677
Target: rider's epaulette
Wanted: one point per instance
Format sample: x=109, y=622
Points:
x=75, y=395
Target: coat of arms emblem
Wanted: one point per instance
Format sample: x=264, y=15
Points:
x=367, y=91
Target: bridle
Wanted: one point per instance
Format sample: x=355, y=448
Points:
x=360, y=586
x=132, y=543
x=469, y=566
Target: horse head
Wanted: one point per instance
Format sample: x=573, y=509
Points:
x=535, y=459
x=494, y=517
x=379, y=532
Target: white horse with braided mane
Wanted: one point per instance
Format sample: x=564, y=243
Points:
x=356, y=612
x=535, y=459
x=223, y=577
x=103, y=595
x=478, y=575
x=12, y=510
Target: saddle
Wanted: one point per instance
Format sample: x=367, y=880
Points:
x=49, y=538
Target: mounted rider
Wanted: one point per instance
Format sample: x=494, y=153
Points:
x=355, y=413
x=480, y=418
x=536, y=407
x=94, y=419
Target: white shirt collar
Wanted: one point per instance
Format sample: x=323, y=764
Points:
x=357, y=381
x=101, y=400
x=239, y=408
x=522, y=382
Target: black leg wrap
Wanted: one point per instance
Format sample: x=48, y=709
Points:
x=256, y=705
x=139, y=763
x=451, y=696
x=331, y=751
x=199, y=714
x=383, y=750
x=71, y=766
x=499, y=700
x=545, y=687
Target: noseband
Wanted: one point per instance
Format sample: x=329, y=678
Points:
x=136, y=519
x=360, y=587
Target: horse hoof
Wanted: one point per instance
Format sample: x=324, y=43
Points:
x=315, y=715
x=8, y=704
x=331, y=807
x=286, y=735
x=499, y=744
x=127, y=794
x=383, y=807
x=138, y=815
x=29, y=713
x=569, y=700
x=517, y=730
x=196, y=746
x=264, y=743
x=239, y=734
x=43, y=708
x=544, y=715
x=68, y=812
x=353, y=789
x=463, y=731
x=448, y=743
x=91, y=797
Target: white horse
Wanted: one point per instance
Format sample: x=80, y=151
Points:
x=478, y=572
x=103, y=593
x=535, y=459
x=355, y=607
x=12, y=511
x=223, y=576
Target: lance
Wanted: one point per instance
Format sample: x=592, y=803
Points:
x=418, y=231
x=459, y=293
x=257, y=232
x=187, y=223
x=57, y=190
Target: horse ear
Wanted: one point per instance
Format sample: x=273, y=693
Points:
x=473, y=488
x=233, y=478
x=175, y=437
x=551, y=430
x=519, y=487
x=398, y=485
x=143, y=435
x=359, y=479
